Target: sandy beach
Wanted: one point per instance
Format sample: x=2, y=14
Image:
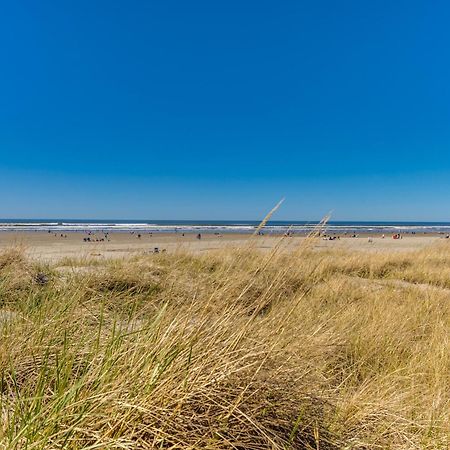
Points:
x=48, y=247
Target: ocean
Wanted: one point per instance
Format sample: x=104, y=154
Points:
x=217, y=226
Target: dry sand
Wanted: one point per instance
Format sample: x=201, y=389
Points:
x=48, y=247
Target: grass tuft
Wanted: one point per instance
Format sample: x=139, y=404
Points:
x=233, y=349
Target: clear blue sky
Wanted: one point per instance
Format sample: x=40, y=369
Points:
x=216, y=110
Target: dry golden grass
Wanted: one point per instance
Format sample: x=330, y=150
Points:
x=233, y=349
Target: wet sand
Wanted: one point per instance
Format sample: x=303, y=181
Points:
x=48, y=247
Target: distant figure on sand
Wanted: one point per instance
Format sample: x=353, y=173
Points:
x=199, y=236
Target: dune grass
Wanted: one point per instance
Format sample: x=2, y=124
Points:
x=231, y=349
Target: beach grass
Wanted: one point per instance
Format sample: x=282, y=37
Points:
x=236, y=348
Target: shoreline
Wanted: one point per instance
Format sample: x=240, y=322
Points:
x=275, y=227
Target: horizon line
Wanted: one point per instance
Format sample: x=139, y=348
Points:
x=56, y=219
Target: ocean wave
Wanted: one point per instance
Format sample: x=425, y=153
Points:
x=233, y=227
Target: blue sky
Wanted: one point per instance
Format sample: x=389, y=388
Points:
x=216, y=110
